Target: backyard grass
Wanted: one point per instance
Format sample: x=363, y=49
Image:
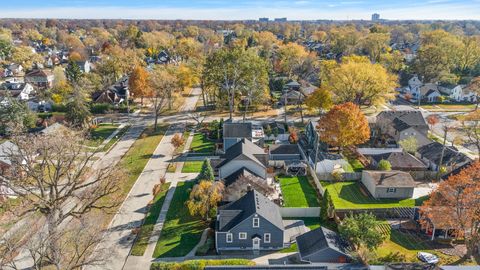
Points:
x=100, y=133
x=192, y=166
x=181, y=232
x=357, y=166
x=348, y=195
x=146, y=229
x=298, y=192
x=201, y=144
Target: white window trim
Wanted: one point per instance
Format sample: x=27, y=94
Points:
x=229, y=236
x=265, y=237
x=391, y=190
x=258, y=222
x=242, y=235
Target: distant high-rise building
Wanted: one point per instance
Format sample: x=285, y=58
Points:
x=280, y=19
x=263, y=19
x=375, y=17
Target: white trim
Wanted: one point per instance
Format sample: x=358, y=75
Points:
x=257, y=221
x=229, y=237
x=265, y=237
x=256, y=243
x=242, y=235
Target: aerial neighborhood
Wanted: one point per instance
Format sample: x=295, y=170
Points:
x=242, y=144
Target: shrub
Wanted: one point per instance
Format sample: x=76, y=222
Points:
x=384, y=165
x=100, y=108
x=197, y=264
x=59, y=108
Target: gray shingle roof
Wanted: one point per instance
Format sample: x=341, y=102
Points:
x=237, y=130
x=391, y=178
x=411, y=118
x=245, y=150
x=400, y=160
x=253, y=202
x=240, y=172
x=433, y=152
x=318, y=240
x=284, y=149
x=6, y=149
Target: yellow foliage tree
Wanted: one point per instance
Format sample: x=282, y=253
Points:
x=139, y=83
x=204, y=198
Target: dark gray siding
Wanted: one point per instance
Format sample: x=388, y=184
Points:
x=327, y=255
x=228, y=142
x=276, y=239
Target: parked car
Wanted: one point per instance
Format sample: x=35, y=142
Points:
x=427, y=257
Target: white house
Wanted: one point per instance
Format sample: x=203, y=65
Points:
x=18, y=90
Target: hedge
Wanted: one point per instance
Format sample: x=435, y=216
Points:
x=197, y=264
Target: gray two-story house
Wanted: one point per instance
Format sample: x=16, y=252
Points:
x=251, y=223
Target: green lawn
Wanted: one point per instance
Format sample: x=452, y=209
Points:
x=198, y=264
x=100, y=133
x=116, y=138
x=201, y=144
x=347, y=195
x=298, y=192
x=181, y=232
x=192, y=166
x=145, y=232
x=357, y=166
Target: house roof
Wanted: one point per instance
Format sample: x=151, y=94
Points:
x=320, y=239
x=391, y=178
x=237, y=174
x=400, y=160
x=411, y=118
x=293, y=84
x=237, y=130
x=284, y=149
x=428, y=88
x=253, y=202
x=54, y=129
x=39, y=73
x=433, y=153
x=244, y=150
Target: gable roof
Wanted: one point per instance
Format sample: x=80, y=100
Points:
x=400, y=160
x=245, y=149
x=319, y=239
x=410, y=118
x=284, y=149
x=253, y=202
x=237, y=130
x=433, y=153
x=39, y=73
x=391, y=178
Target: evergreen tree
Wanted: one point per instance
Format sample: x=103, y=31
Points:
x=207, y=171
x=15, y=116
x=73, y=72
x=78, y=112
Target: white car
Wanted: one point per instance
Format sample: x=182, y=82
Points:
x=427, y=257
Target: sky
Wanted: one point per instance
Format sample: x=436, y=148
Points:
x=242, y=9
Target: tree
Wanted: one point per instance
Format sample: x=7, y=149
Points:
x=359, y=81
x=293, y=137
x=471, y=128
x=73, y=72
x=459, y=196
x=291, y=56
x=177, y=140
x=78, y=112
x=344, y=125
x=320, y=99
x=204, y=198
x=229, y=71
x=16, y=116
x=409, y=144
x=138, y=83
x=475, y=88
x=375, y=44
x=51, y=176
x=432, y=120
x=162, y=83
x=384, y=165
x=361, y=230
x=326, y=206
x=26, y=56
x=206, y=173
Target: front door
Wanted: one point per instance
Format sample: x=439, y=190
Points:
x=256, y=243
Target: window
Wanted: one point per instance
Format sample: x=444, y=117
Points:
x=242, y=235
x=256, y=222
x=391, y=190
x=229, y=238
x=266, y=238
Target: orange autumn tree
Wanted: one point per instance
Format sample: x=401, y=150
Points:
x=455, y=204
x=344, y=125
x=138, y=83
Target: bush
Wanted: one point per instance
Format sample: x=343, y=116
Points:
x=384, y=165
x=59, y=108
x=197, y=264
x=99, y=108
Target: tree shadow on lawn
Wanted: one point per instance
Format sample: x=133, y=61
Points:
x=188, y=239
x=352, y=193
x=309, y=192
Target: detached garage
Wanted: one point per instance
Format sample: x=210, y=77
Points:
x=322, y=246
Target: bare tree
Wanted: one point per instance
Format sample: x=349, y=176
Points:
x=471, y=128
x=51, y=175
x=162, y=83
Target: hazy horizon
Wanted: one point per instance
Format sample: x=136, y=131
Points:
x=243, y=10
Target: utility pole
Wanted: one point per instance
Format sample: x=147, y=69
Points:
x=285, y=107
x=445, y=131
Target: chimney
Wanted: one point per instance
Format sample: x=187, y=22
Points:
x=249, y=188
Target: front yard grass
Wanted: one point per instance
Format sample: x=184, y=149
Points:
x=348, y=195
x=298, y=192
x=201, y=144
x=181, y=232
x=116, y=138
x=146, y=229
x=192, y=166
x=100, y=133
